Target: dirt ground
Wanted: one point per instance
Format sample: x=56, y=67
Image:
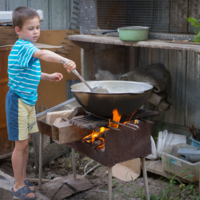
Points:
x=133, y=190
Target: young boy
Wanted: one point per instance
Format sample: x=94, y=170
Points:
x=24, y=73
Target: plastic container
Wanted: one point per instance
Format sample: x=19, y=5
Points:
x=175, y=165
x=166, y=139
x=194, y=142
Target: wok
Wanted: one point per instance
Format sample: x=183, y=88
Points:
x=125, y=96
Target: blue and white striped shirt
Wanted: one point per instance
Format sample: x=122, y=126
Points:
x=24, y=71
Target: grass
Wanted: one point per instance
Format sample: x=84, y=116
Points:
x=168, y=193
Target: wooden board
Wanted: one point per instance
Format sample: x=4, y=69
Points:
x=192, y=90
x=7, y=36
x=178, y=16
x=177, y=69
x=82, y=40
x=156, y=168
x=50, y=188
x=65, y=132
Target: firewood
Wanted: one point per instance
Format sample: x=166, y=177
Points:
x=98, y=143
x=100, y=135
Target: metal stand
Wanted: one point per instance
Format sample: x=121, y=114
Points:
x=109, y=183
x=74, y=164
x=145, y=179
x=40, y=161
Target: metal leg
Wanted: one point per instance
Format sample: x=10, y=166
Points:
x=40, y=161
x=74, y=164
x=109, y=183
x=145, y=179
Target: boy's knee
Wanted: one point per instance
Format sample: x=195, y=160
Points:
x=21, y=145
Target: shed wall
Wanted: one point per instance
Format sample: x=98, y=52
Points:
x=56, y=14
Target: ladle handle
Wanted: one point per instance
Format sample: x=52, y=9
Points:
x=75, y=72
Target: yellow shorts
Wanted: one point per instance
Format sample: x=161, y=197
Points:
x=21, y=118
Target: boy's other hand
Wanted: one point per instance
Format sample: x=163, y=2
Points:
x=55, y=77
x=69, y=65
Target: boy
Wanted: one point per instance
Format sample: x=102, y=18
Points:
x=24, y=73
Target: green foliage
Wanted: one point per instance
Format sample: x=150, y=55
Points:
x=196, y=23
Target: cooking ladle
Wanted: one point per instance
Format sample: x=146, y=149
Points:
x=97, y=89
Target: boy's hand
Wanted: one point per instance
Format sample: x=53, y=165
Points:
x=55, y=77
x=69, y=65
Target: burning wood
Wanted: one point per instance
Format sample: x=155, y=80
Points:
x=97, y=138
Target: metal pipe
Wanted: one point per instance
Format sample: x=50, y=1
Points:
x=109, y=183
x=74, y=164
x=145, y=179
x=40, y=161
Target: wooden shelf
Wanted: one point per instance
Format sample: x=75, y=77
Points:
x=83, y=40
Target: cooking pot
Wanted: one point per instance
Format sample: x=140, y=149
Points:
x=131, y=33
x=125, y=96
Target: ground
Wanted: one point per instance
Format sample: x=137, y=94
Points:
x=159, y=187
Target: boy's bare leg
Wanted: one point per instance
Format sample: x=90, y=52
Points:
x=25, y=162
x=17, y=163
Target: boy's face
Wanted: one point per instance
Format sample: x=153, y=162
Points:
x=30, y=30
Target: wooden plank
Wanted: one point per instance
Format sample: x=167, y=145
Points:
x=156, y=168
x=143, y=57
x=160, y=44
x=192, y=90
x=60, y=14
x=177, y=68
x=7, y=36
x=66, y=133
x=41, y=5
x=50, y=188
x=12, y=4
x=3, y=6
x=178, y=16
x=193, y=8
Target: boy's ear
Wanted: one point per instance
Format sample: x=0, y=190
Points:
x=17, y=30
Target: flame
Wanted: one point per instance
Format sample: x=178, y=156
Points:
x=97, y=135
x=116, y=117
x=135, y=121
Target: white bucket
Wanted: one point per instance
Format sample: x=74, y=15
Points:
x=166, y=139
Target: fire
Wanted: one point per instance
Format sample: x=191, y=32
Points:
x=99, y=136
x=116, y=117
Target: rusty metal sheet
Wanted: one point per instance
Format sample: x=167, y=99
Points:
x=120, y=146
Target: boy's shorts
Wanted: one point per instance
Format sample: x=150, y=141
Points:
x=20, y=117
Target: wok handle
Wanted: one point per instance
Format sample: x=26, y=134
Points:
x=111, y=31
x=75, y=72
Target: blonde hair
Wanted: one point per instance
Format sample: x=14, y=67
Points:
x=21, y=14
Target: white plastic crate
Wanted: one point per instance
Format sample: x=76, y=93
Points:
x=177, y=166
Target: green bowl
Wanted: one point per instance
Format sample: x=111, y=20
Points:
x=133, y=33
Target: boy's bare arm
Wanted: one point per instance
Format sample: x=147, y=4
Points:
x=50, y=56
x=52, y=77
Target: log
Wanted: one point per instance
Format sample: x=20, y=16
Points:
x=68, y=133
x=98, y=143
x=100, y=135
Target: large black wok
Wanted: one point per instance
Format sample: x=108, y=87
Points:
x=125, y=96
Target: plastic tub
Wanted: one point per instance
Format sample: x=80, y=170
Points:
x=175, y=165
x=166, y=139
x=194, y=142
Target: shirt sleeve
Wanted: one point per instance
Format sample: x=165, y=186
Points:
x=26, y=54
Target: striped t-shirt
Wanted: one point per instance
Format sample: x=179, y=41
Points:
x=24, y=71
